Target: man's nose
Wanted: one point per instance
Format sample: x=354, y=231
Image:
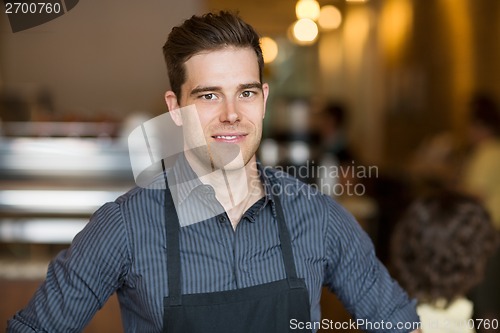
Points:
x=229, y=112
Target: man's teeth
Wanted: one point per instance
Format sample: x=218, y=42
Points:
x=226, y=137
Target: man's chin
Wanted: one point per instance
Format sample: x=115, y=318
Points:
x=226, y=156
x=234, y=165
x=227, y=164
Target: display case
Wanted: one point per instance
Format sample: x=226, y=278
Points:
x=50, y=185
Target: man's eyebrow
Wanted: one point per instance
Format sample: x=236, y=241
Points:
x=198, y=90
x=253, y=85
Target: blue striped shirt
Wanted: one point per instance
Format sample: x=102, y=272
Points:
x=123, y=250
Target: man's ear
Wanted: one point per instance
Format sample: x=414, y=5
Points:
x=173, y=107
x=265, y=92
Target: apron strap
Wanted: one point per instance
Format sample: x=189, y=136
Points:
x=173, y=253
x=286, y=246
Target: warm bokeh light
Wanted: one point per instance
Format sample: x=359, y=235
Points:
x=396, y=20
x=355, y=33
x=307, y=9
x=269, y=49
x=330, y=18
x=330, y=56
x=305, y=31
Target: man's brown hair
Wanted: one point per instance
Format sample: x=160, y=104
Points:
x=210, y=32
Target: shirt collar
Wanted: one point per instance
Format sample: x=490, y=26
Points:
x=183, y=181
x=252, y=213
x=266, y=182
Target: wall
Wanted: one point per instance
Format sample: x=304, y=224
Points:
x=102, y=57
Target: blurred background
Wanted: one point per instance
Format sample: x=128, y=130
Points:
x=370, y=100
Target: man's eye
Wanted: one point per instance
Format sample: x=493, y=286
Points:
x=247, y=94
x=208, y=97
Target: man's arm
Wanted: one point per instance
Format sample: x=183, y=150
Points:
x=360, y=280
x=80, y=279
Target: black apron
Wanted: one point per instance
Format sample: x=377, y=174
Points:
x=266, y=308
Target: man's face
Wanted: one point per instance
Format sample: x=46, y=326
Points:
x=229, y=105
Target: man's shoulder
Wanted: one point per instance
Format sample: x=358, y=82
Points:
x=138, y=194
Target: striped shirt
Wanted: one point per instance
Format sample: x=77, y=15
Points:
x=123, y=249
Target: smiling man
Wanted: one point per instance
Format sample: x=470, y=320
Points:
x=224, y=86
x=257, y=262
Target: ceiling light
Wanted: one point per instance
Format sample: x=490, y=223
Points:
x=305, y=31
x=329, y=18
x=269, y=49
x=307, y=9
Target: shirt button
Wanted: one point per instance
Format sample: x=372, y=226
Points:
x=222, y=219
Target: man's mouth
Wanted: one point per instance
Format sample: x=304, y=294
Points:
x=233, y=138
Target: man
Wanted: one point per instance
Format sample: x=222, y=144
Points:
x=225, y=245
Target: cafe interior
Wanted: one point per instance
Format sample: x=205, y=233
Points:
x=400, y=76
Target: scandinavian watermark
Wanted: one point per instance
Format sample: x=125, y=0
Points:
x=162, y=144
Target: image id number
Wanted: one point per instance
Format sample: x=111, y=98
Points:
x=474, y=324
x=32, y=8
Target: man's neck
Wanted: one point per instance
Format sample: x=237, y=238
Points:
x=236, y=189
x=247, y=193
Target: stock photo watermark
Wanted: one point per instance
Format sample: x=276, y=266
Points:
x=164, y=148
x=347, y=179
x=448, y=325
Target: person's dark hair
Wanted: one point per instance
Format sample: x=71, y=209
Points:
x=485, y=113
x=441, y=246
x=212, y=31
x=335, y=111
